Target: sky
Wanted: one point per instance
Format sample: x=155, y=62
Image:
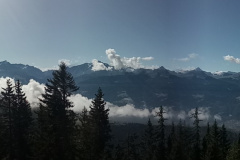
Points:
x=175, y=34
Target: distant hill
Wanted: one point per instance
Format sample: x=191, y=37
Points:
x=148, y=88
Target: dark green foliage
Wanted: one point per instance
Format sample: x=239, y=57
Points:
x=129, y=150
x=234, y=151
x=22, y=122
x=196, y=150
x=172, y=144
x=180, y=149
x=224, y=143
x=58, y=121
x=84, y=142
x=119, y=153
x=8, y=109
x=148, y=142
x=16, y=120
x=160, y=152
x=99, y=126
x=213, y=150
x=56, y=135
x=205, y=143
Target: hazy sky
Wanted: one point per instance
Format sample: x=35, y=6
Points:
x=176, y=33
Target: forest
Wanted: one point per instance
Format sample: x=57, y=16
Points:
x=54, y=131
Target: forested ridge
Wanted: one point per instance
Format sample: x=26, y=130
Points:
x=57, y=132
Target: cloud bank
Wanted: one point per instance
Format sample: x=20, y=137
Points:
x=121, y=63
x=124, y=113
x=231, y=59
x=99, y=66
x=189, y=57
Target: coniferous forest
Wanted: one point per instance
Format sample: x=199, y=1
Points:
x=54, y=131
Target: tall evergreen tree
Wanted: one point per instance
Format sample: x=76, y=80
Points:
x=181, y=150
x=132, y=148
x=100, y=127
x=22, y=123
x=84, y=145
x=172, y=144
x=160, y=152
x=7, y=119
x=234, y=151
x=205, y=143
x=61, y=120
x=224, y=143
x=148, y=142
x=213, y=151
x=196, y=150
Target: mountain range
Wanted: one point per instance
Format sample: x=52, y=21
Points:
x=148, y=88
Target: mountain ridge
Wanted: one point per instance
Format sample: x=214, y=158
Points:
x=148, y=87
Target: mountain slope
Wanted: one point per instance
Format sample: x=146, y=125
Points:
x=148, y=88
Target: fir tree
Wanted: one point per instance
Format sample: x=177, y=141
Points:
x=234, y=151
x=61, y=120
x=205, y=142
x=181, y=144
x=148, y=142
x=172, y=144
x=196, y=150
x=84, y=144
x=160, y=152
x=100, y=127
x=132, y=148
x=224, y=143
x=119, y=153
x=7, y=119
x=213, y=151
x=22, y=122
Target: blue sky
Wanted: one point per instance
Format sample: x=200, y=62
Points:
x=177, y=34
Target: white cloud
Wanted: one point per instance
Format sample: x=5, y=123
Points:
x=114, y=59
x=120, y=63
x=3, y=83
x=98, y=66
x=217, y=117
x=204, y=113
x=182, y=115
x=33, y=91
x=128, y=110
x=147, y=58
x=189, y=57
x=219, y=73
x=80, y=102
x=231, y=59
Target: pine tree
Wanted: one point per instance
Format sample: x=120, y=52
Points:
x=132, y=148
x=205, y=142
x=84, y=144
x=160, y=152
x=172, y=144
x=60, y=120
x=181, y=142
x=119, y=153
x=148, y=142
x=224, y=143
x=196, y=150
x=16, y=120
x=7, y=119
x=213, y=151
x=22, y=122
x=234, y=151
x=100, y=127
